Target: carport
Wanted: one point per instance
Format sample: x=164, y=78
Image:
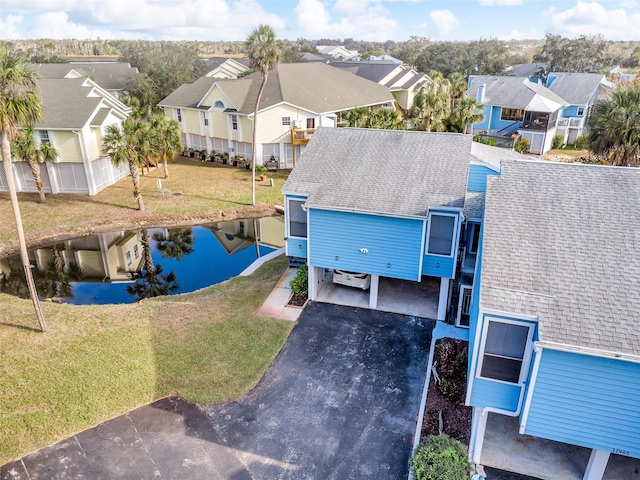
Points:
x=419, y=299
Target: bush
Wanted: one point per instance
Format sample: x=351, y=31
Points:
x=440, y=457
x=522, y=145
x=261, y=169
x=452, y=368
x=582, y=142
x=487, y=141
x=557, y=141
x=300, y=283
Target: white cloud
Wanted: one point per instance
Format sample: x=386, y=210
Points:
x=57, y=25
x=589, y=18
x=371, y=21
x=491, y=3
x=8, y=26
x=445, y=21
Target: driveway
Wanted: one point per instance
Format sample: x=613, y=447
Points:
x=339, y=402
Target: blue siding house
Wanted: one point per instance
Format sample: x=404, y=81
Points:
x=555, y=316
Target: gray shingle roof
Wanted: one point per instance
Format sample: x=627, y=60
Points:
x=527, y=69
x=576, y=88
x=314, y=86
x=474, y=205
x=561, y=241
x=513, y=92
x=391, y=172
x=374, y=71
x=110, y=75
x=495, y=155
x=66, y=104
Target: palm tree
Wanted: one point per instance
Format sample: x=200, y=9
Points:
x=20, y=104
x=150, y=281
x=614, y=128
x=130, y=143
x=264, y=53
x=431, y=106
x=25, y=147
x=364, y=117
x=138, y=111
x=467, y=110
x=175, y=242
x=167, y=137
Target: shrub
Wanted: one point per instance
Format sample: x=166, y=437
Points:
x=261, y=169
x=440, y=457
x=300, y=283
x=452, y=367
x=582, y=142
x=557, y=141
x=522, y=145
x=487, y=141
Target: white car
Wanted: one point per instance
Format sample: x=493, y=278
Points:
x=352, y=279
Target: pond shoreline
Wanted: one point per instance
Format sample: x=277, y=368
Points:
x=134, y=221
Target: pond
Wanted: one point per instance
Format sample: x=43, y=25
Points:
x=127, y=266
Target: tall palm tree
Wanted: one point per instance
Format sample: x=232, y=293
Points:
x=175, y=242
x=25, y=147
x=264, y=53
x=364, y=117
x=150, y=281
x=432, y=106
x=167, y=137
x=614, y=127
x=130, y=143
x=467, y=110
x=20, y=104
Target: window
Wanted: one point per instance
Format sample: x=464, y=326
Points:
x=179, y=114
x=513, y=114
x=127, y=256
x=311, y=123
x=234, y=122
x=505, y=351
x=286, y=121
x=136, y=252
x=218, y=104
x=581, y=111
x=44, y=136
x=205, y=120
x=474, y=238
x=441, y=231
x=297, y=219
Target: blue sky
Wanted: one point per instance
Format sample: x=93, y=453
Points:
x=377, y=20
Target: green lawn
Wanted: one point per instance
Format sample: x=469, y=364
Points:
x=97, y=362
x=206, y=189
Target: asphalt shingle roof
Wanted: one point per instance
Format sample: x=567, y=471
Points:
x=561, y=241
x=514, y=92
x=110, y=76
x=66, y=104
x=576, y=88
x=391, y=172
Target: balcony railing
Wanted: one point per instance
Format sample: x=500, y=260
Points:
x=301, y=136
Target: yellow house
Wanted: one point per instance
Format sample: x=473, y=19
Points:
x=77, y=113
x=217, y=114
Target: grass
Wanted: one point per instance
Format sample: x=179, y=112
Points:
x=206, y=188
x=97, y=362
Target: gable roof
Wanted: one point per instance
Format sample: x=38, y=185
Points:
x=527, y=69
x=388, y=172
x=561, y=242
x=513, y=92
x=577, y=88
x=314, y=86
x=109, y=75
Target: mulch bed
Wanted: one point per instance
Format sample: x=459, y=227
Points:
x=456, y=417
x=297, y=300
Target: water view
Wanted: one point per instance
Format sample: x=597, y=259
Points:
x=127, y=266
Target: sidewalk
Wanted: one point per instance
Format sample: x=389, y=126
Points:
x=276, y=303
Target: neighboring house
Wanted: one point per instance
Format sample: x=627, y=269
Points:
x=337, y=51
x=516, y=106
x=111, y=76
x=532, y=71
x=385, y=58
x=555, y=315
x=217, y=114
x=581, y=91
x=77, y=112
x=391, y=204
x=222, y=67
x=401, y=80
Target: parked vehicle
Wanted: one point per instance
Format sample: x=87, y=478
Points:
x=352, y=279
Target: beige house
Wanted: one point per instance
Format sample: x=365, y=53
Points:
x=217, y=114
x=77, y=113
x=221, y=67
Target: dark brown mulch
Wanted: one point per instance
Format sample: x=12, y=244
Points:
x=456, y=417
x=297, y=300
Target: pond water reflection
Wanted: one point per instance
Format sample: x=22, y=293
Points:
x=126, y=266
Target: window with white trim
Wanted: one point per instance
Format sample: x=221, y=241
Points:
x=218, y=104
x=127, y=256
x=205, y=120
x=234, y=122
x=286, y=121
x=179, y=114
x=506, y=352
x=297, y=219
x=44, y=136
x=581, y=111
x=136, y=252
x=442, y=229
x=512, y=114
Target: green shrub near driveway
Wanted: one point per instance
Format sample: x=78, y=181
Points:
x=522, y=145
x=300, y=283
x=440, y=457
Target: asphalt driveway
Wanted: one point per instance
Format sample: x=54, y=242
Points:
x=339, y=402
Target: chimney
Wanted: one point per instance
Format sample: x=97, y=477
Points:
x=480, y=94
